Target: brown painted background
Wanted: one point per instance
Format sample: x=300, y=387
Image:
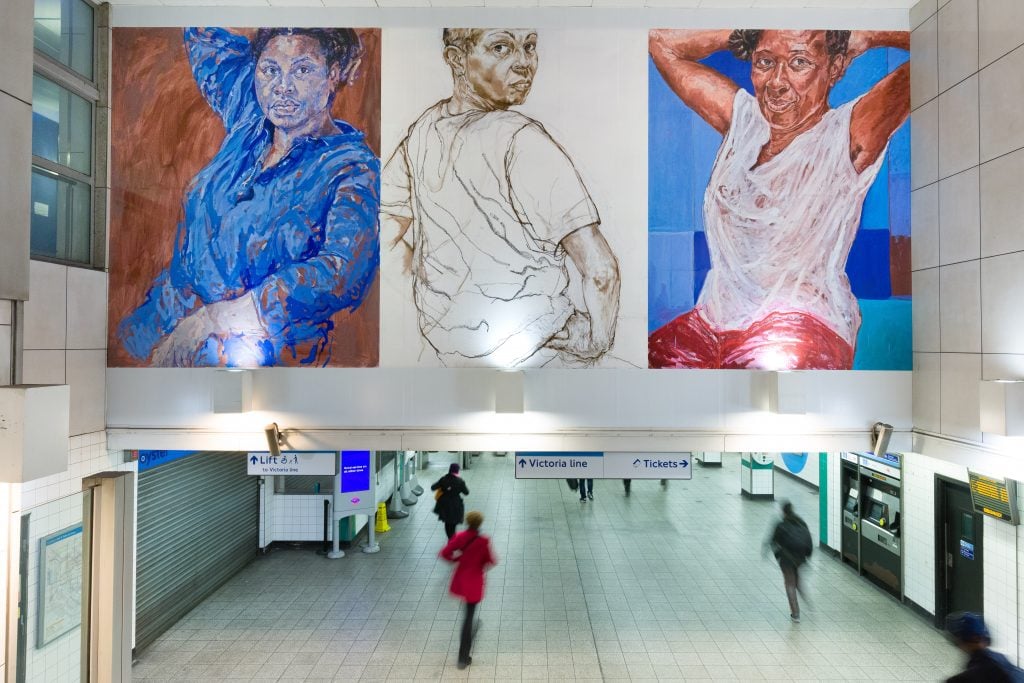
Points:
x=162, y=133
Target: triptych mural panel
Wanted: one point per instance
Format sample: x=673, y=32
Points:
x=510, y=197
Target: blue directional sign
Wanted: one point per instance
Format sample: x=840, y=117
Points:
x=559, y=465
x=294, y=463
x=150, y=459
x=648, y=465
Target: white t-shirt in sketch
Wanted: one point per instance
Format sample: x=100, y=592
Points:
x=490, y=195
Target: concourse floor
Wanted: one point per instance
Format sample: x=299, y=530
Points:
x=668, y=584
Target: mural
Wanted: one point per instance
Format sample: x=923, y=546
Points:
x=245, y=205
x=779, y=200
x=502, y=247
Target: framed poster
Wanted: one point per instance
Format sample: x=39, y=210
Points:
x=60, y=584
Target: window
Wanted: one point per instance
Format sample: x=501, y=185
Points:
x=64, y=98
x=63, y=31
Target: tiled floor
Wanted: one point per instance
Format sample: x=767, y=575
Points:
x=667, y=585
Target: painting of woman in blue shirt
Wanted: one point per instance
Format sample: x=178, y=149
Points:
x=280, y=228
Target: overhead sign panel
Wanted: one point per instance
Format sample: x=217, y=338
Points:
x=599, y=465
x=648, y=466
x=291, y=463
x=559, y=465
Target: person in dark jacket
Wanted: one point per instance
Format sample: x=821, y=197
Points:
x=791, y=544
x=471, y=552
x=449, y=507
x=983, y=665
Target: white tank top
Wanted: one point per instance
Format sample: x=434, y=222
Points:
x=779, y=234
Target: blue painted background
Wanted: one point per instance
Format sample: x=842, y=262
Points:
x=681, y=152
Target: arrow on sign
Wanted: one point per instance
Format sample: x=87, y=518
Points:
x=683, y=463
x=253, y=460
x=636, y=463
x=522, y=462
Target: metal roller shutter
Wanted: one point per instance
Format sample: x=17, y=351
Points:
x=198, y=525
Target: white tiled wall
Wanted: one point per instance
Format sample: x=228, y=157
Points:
x=1000, y=570
x=65, y=338
x=919, y=524
x=967, y=95
x=58, y=659
x=87, y=455
x=299, y=518
x=6, y=339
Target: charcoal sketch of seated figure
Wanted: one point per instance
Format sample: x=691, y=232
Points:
x=487, y=209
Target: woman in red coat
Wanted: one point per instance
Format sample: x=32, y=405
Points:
x=471, y=552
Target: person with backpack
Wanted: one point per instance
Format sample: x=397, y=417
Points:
x=448, y=492
x=791, y=544
x=471, y=552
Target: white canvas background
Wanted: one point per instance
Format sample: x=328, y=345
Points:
x=590, y=93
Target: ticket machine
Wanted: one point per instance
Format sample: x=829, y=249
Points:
x=871, y=509
x=880, y=520
x=849, y=495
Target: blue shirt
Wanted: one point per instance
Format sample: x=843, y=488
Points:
x=301, y=234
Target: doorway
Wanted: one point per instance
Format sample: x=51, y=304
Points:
x=958, y=551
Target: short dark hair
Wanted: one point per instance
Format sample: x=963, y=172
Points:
x=743, y=42
x=462, y=38
x=341, y=46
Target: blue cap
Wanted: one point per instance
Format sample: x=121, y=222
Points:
x=967, y=626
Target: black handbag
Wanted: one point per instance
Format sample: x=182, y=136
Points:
x=573, y=484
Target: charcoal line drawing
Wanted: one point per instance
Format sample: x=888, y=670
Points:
x=489, y=211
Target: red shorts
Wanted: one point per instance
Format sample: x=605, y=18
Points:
x=779, y=341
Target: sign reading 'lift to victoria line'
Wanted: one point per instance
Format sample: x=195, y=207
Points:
x=598, y=465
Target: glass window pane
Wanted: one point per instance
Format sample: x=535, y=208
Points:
x=967, y=526
x=61, y=211
x=64, y=31
x=61, y=125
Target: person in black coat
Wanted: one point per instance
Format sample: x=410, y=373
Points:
x=791, y=544
x=449, y=507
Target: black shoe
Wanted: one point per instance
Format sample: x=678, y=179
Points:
x=590, y=496
x=583, y=500
x=463, y=663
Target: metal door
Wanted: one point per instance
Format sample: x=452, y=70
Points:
x=959, y=584
x=198, y=525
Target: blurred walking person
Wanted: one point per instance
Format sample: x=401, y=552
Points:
x=791, y=544
x=586, y=490
x=627, y=482
x=983, y=665
x=449, y=507
x=471, y=552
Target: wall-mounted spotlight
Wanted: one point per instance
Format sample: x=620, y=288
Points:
x=1002, y=407
x=779, y=391
x=274, y=439
x=880, y=433
x=508, y=392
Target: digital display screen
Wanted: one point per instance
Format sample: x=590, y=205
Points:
x=994, y=497
x=877, y=512
x=355, y=471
